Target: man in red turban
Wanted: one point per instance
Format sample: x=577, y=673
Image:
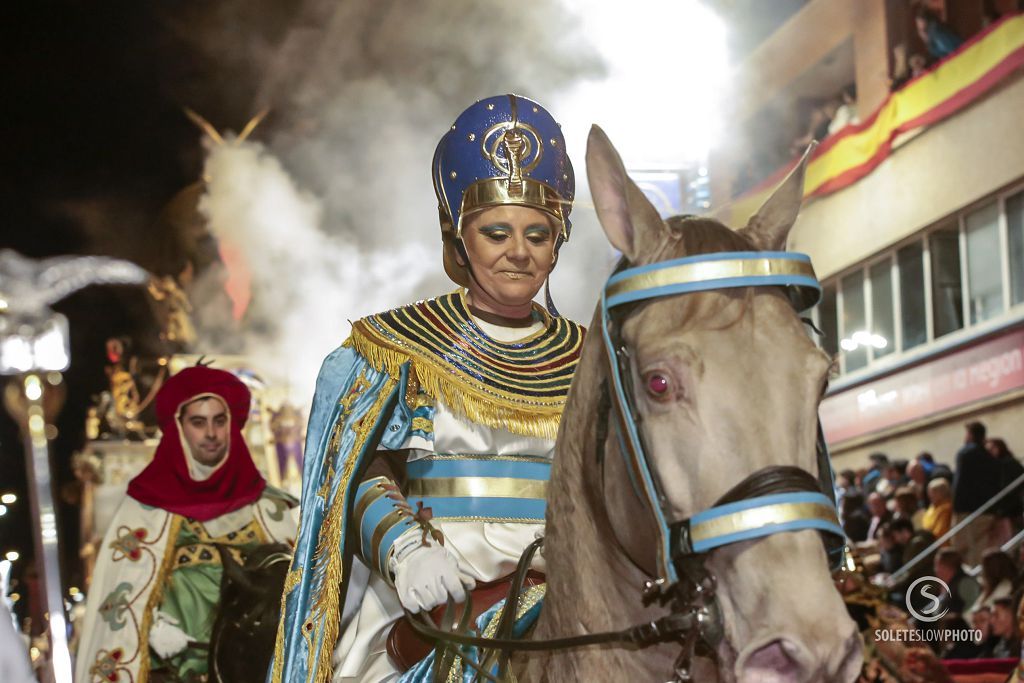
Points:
x=156, y=584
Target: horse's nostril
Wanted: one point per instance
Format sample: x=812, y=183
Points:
x=780, y=661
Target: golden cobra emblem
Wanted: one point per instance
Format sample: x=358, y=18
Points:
x=528, y=146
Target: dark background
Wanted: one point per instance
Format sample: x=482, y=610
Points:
x=94, y=143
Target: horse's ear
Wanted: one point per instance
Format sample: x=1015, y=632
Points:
x=234, y=571
x=770, y=226
x=629, y=220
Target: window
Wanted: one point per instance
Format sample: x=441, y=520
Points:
x=984, y=263
x=967, y=271
x=1015, y=242
x=947, y=291
x=854, y=344
x=913, y=321
x=883, y=328
x=827, y=321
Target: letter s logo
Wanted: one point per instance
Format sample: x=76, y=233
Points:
x=936, y=600
x=932, y=612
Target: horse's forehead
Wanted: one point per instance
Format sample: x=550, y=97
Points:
x=735, y=318
x=681, y=313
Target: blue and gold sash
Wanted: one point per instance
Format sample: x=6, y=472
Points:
x=454, y=488
x=490, y=488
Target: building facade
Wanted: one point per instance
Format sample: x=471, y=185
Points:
x=914, y=216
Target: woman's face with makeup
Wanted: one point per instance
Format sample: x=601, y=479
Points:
x=511, y=252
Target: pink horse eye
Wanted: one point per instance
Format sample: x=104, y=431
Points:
x=657, y=385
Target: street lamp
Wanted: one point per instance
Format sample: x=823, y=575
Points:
x=35, y=349
x=863, y=338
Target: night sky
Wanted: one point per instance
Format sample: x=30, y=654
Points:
x=94, y=144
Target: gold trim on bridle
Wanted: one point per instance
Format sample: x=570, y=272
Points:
x=704, y=271
x=755, y=518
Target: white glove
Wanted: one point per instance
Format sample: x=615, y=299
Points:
x=426, y=575
x=165, y=637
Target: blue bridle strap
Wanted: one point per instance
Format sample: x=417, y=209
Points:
x=733, y=522
x=720, y=270
x=753, y=518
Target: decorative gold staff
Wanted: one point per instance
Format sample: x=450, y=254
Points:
x=34, y=347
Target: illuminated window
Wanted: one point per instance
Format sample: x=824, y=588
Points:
x=913, y=319
x=883, y=328
x=968, y=270
x=827, y=321
x=855, y=350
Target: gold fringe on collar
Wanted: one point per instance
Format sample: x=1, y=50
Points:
x=458, y=391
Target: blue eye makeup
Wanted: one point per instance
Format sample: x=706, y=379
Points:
x=500, y=232
x=494, y=231
x=538, y=231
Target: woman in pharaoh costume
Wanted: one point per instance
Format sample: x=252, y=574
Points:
x=433, y=426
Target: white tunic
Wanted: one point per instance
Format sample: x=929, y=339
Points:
x=485, y=550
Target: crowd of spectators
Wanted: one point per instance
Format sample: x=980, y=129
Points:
x=828, y=117
x=897, y=515
x=818, y=120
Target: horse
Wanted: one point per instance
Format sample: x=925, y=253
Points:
x=245, y=625
x=726, y=383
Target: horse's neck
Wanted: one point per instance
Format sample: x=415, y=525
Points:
x=592, y=585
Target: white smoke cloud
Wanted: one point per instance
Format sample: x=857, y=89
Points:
x=306, y=284
x=336, y=215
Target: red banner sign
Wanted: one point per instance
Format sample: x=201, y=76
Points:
x=971, y=374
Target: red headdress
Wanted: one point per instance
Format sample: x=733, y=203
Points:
x=166, y=482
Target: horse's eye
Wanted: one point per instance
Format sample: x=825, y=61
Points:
x=658, y=385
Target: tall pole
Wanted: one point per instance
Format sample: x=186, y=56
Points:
x=33, y=400
x=34, y=348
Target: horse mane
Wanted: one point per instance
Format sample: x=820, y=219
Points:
x=245, y=625
x=691, y=236
x=699, y=235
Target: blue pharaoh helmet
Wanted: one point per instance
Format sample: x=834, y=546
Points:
x=502, y=150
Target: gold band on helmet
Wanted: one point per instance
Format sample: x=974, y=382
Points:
x=491, y=192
